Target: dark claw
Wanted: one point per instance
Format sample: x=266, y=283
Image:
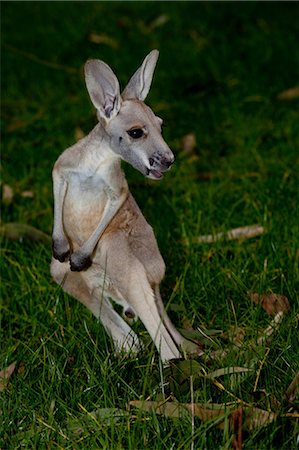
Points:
x=82, y=263
x=129, y=313
x=61, y=256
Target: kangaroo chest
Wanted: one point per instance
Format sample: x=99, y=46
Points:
x=88, y=191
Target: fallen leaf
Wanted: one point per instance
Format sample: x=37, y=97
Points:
x=264, y=336
x=227, y=371
x=257, y=418
x=289, y=94
x=178, y=410
x=207, y=412
x=159, y=21
x=79, y=133
x=272, y=303
x=237, y=423
x=167, y=409
x=146, y=28
x=188, y=143
x=103, y=39
x=246, y=232
x=254, y=418
x=21, y=368
x=5, y=374
x=17, y=231
x=292, y=390
x=27, y=194
x=249, y=419
x=7, y=194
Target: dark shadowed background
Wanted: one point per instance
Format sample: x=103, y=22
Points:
x=226, y=85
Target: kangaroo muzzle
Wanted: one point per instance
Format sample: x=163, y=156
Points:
x=159, y=163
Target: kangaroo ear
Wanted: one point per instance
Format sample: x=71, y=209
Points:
x=140, y=83
x=103, y=88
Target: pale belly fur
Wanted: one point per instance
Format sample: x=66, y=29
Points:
x=82, y=214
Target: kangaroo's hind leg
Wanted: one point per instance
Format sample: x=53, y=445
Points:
x=145, y=248
x=130, y=280
x=74, y=283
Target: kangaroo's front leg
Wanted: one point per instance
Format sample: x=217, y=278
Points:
x=61, y=248
x=81, y=258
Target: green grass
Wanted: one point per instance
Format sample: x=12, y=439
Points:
x=221, y=68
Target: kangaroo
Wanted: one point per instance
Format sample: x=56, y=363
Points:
x=104, y=251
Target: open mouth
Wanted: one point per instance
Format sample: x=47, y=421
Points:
x=154, y=174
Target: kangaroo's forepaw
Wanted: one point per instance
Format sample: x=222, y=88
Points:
x=79, y=261
x=60, y=249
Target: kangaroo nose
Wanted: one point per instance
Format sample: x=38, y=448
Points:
x=167, y=162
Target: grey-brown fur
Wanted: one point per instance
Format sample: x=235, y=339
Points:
x=103, y=248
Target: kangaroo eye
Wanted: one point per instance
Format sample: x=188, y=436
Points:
x=136, y=133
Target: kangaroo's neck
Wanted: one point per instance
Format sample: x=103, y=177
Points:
x=99, y=141
x=99, y=165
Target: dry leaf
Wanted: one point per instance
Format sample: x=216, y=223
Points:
x=207, y=412
x=103, y=39
x=188, y=143
x=272, y=303
x=227, y=371
x=292, y=390
x=7, y=194
x=253, y=417
x=21, y=368
x=263, y=338
x=237, y=423
x=17, y=231
x=27, y=194
x=247, y=232
x=79, y=133
x=289, y=94
x=177, y=410
x=257, y=418
x=159, y=21
x=5, y=374
x=166, y=408
x=249, y=419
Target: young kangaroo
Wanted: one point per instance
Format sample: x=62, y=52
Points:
x=103, y=248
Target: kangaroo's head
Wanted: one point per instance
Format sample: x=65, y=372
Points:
x=134, y=130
